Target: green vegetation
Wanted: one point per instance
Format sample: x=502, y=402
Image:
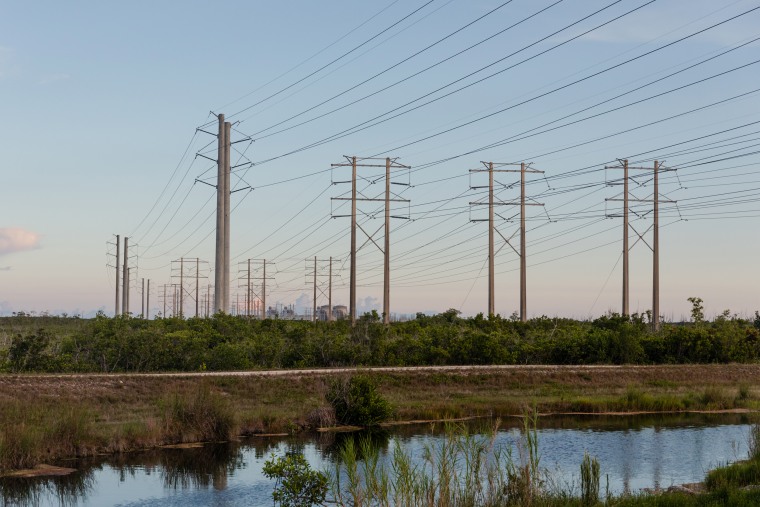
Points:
x=469, y=470
x=58, y=344
x=357, y=402
x=297, y=485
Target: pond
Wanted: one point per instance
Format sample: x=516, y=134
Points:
x=634, y=452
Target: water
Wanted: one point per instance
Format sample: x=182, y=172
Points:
x=634, y=453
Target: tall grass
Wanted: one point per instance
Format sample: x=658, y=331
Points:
x=462, y=470
x=31, y=434
x=199, y=416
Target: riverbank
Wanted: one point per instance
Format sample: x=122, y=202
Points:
x=47, y=417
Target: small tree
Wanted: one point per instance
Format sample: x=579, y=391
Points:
x=697, y=310
x=297, y=484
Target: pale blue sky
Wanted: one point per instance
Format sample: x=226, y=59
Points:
x=99, y=100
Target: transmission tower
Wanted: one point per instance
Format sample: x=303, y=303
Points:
x=187, y=274
x=491, y=168
x=390, y=163
x=252, y=277
x=655, y=247
x=319, y=274
x=223, y=192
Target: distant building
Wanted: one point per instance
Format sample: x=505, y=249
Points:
x=340, y=312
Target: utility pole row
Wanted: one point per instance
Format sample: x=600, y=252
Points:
x=489, y=168
x=390, y=163
x=655, y=247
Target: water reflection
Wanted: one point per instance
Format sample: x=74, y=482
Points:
x=636, y=452
x=65, y=490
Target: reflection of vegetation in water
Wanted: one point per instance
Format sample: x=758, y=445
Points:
x=199, y=468
x=67, y=489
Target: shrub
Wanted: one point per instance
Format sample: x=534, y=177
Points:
x=297, y=484
x=357, y=402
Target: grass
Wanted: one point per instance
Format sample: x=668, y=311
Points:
x=69, y=415
x=466, y=470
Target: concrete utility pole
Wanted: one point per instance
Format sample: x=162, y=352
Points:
x=329, y=294
x=491, y=264
x=181, y=287
x=129, y=277
x=227, y=129
x=352, y=284
x=387, y=247
x=118, y=266
x=489, y=167
x=142, y=299
x=147, y=302
x=626, y=249
x=656, y=200
x=314, y=298
x=656, y=251
x=125, y=280
x=264, y=292
x=219, y=258
x=389, y=163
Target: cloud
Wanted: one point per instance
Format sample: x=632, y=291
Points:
x=5, y=268
x=14, y=239
x=53, y=78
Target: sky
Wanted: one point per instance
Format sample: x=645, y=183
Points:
x=107, y=112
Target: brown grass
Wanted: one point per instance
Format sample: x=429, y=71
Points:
x=114, y=413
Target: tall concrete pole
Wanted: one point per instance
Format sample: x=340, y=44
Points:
x=147, y=302
x=142, y=299
x=625, y=238
x=126, y=285
x=181, y=287
x=219, y=253
x=227, y=128
x=352, y=288
x=264, y=293
x=118, y=266
x=387, y=248
x=523, y=263
x=125, y=280
x=164, y=314
x=491, y=282
x=197, y=284
x=329, y=294
x=656, y=253
x=314, y=315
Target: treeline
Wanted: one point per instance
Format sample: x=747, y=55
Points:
x=56, y=344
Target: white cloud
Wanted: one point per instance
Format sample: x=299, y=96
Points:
x=53, y=78
x=14, y=239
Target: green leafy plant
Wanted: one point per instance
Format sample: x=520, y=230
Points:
x=356, y=401
x=297, y=484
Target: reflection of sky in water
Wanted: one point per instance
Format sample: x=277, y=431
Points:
x=642, y=457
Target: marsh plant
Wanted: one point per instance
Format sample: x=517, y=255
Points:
x=462, y=470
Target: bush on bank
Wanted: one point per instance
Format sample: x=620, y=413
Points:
x=223, y=342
